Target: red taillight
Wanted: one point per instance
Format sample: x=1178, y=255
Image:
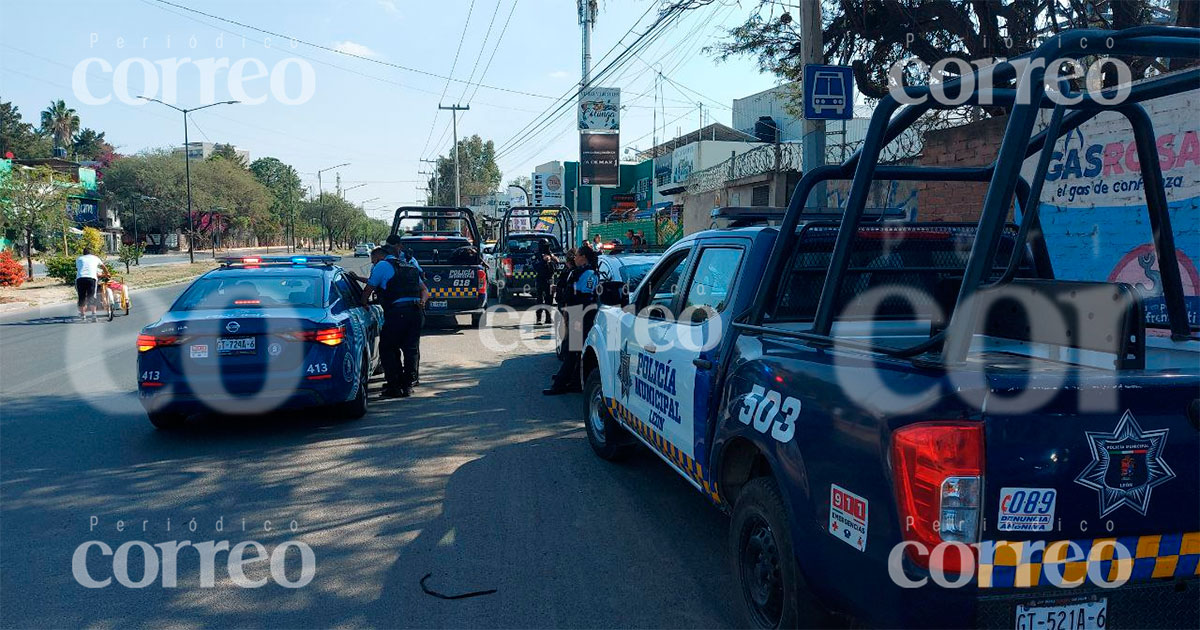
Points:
x=247, y=302
x=508, y=266
x=251, y=260
x=938, y=470
x=327, y=336
x=150, y=342
x=481, y=276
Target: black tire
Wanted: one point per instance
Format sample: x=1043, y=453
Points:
x=166, y=421
x=608, y=438
x=773, y=591
x=357, y=407
x=476, y=319
x=112, y=312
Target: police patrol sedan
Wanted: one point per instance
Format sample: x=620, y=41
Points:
x=260, y=334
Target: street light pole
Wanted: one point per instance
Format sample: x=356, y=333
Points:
x=321, y=200
x=187, y=165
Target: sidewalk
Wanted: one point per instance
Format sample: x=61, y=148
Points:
x=44, y=291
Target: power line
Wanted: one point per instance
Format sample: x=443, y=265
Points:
x=482, y=46
x=345, y=53
x=653, y=32
x=499, y=39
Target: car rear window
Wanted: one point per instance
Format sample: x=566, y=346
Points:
x=530, y=245
x=252, y=292
x=440, y=251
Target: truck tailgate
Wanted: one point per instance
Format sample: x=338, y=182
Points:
x=1109, y=456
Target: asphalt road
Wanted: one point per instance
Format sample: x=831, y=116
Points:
x=477, y=480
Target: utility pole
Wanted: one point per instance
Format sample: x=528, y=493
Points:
x=321, y=201
x=436, y=187
x=813, y=143
x=587, y=20
x=454, y=109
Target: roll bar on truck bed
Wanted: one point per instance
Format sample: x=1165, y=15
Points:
x=1003, y=175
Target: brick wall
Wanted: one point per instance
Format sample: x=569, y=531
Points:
x=975, y=144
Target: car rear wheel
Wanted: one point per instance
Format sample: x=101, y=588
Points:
x=357, y=407
x=166, y=421
x=773, y=590
x=608, y=439
x=476, y=319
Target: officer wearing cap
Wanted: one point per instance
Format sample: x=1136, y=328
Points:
x=402, y=294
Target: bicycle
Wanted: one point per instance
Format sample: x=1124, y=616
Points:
x=115, y=294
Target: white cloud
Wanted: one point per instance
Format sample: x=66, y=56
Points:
x=353, y=48
x=559, y=74
x=390, y=7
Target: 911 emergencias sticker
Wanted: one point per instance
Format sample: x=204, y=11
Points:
x=1026, y=509
x=848, y=517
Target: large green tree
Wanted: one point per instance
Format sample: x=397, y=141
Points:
x=871, y=35
x=32, y=201
x=227, y=152
x=89, y=144
x=478, y=172
x=283, y=183
x=19, y=137
x=60, y=123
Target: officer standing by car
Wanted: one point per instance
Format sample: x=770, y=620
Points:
x=544, y=265
x=580, y=314
x=402, y=294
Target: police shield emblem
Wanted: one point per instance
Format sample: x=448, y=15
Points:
x=1126, y=465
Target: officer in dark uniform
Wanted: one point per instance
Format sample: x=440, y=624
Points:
x=543, y=265
x=402, y=294
x=580, y=314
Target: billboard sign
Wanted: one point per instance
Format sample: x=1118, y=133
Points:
x=547, y=189
x=598, y=161
x=600, y=109
x=828, y=92
x=684, y=162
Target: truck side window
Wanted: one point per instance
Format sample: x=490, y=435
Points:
x=664, y=286
x=708, y=291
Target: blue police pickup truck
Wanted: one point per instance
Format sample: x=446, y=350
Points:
x=446, y=243
x=919, y=424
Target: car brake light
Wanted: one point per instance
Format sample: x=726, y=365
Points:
x=150, y=342
x=482, y=278
x=938, y=470
x=327, y=336
x=508, y=266
x=251, y=260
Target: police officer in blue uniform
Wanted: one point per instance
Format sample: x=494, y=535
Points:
x=402, y=294
x=580, y=313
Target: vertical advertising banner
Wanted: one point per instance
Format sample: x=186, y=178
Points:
x=598, y=159
x=547, y=189
x=600, y=109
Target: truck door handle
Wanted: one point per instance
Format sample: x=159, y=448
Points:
x=703, y=364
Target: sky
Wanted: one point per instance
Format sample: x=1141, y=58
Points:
x=314, y=107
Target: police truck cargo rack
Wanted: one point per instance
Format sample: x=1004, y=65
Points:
x=920, y=424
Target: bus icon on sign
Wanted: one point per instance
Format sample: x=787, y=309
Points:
x=828, y=92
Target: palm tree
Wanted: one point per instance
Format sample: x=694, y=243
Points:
x=61, y=122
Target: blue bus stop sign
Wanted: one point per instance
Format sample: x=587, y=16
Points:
x=828, y=92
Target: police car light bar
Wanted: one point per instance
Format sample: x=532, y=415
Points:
x=278, y=260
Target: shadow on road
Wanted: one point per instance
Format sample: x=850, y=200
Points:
x=474, y=479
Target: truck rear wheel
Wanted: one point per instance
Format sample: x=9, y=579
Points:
x=605, y=434
x=760, y=539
